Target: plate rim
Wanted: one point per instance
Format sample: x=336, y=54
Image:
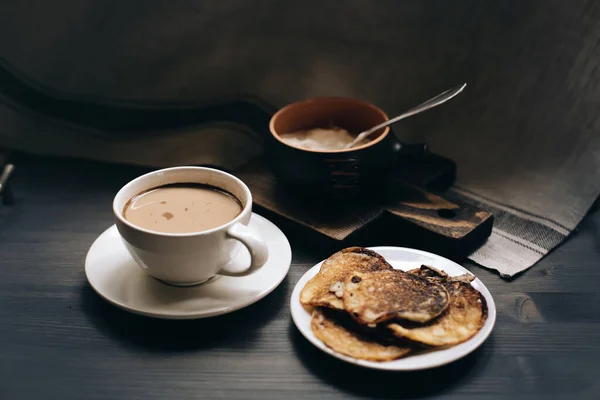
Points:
x=287, y=252
x=475, y=341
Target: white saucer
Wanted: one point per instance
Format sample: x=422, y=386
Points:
x=404, y=259
x=116, y=277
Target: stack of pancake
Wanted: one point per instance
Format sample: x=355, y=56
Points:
x=363, y=308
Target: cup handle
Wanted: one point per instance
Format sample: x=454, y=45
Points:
x=255, y=245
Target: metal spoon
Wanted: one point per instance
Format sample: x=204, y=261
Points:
x=433, y=102
x=5, y=192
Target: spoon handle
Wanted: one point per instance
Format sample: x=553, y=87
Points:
x=433, y=102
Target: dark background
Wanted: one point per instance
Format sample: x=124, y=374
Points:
x=532, y=69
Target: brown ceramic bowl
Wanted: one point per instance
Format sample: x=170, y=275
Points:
x=353, y=115
x=342, y=173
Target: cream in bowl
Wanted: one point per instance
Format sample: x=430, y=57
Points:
x=321, y=139
x=307, y=151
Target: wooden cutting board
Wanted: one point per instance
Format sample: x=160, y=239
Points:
x=406, y=215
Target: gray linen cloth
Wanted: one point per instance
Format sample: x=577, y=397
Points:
x=525, y=133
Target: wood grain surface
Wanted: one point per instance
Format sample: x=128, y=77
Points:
x=59, y=340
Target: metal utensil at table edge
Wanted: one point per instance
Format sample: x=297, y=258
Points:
x=5, y=194
x=433, y=102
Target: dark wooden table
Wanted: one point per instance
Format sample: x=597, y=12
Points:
x=59, y=340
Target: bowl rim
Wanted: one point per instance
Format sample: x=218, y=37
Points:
x=364, y=103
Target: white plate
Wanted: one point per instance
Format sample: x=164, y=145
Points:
x=116, y=277
x=404, y=259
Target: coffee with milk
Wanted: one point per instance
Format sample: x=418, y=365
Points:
x=182, y=208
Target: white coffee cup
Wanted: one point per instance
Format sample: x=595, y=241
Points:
x=185, y=259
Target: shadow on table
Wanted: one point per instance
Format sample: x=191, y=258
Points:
x=236, y=329
x=385, y=384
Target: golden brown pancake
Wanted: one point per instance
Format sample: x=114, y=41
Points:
x=376, y=296
x=327, y=287
x=427, y=271
x=349, y=342
x=466, y=314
